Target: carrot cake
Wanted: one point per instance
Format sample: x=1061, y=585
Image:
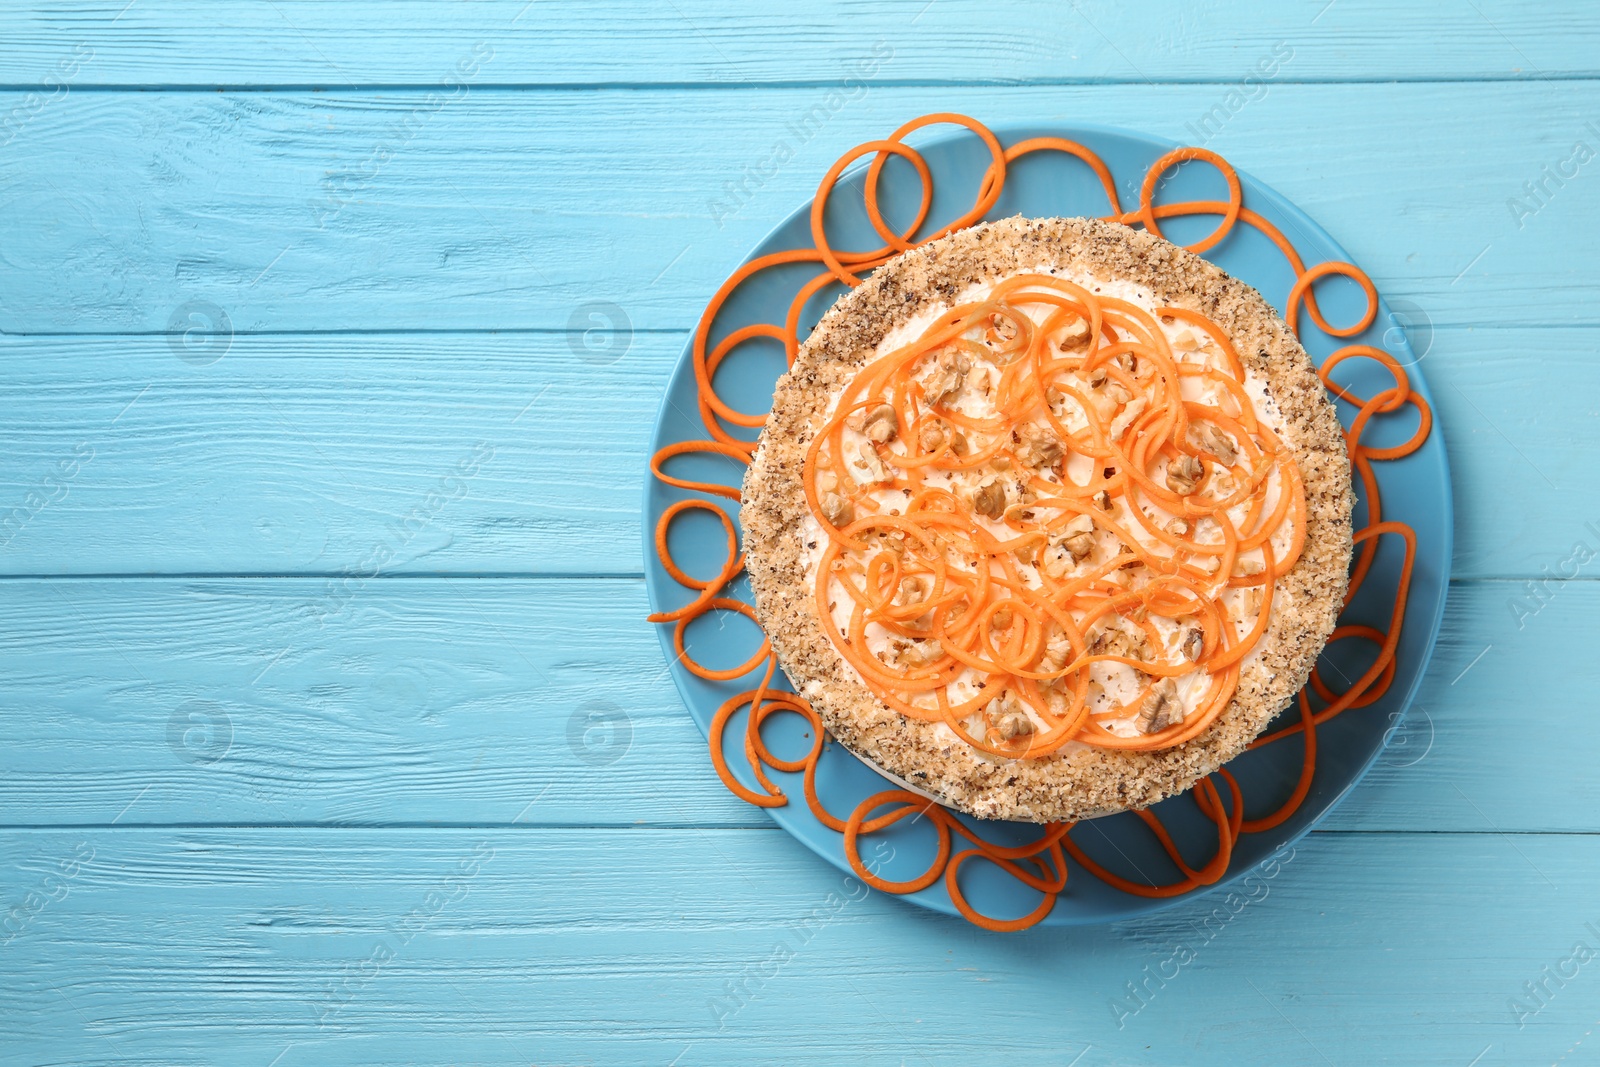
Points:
x=1050, y=519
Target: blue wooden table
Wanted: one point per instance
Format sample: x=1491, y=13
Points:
x=332, y=338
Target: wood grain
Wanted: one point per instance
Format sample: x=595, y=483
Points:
x=460, y=701
x=487, y=209
x=616, y=946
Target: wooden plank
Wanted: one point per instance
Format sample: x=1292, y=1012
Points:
x=341, y=946
x=322, y=453
x=328, y=454
x=502, y=209
x=405, y=42
x=344, y=700
x=468, y=701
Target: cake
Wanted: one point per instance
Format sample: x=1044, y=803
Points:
x=1050, y=519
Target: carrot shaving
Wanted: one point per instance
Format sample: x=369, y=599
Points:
x=905, y=553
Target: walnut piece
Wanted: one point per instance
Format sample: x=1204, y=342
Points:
x=948, y=377
x=1039, y=447
x=837, y=510
x=989, y=499
x=1057, y=651
x=912, y=590
x=1074, y=335
x=1078, y=537
x=877, y=423
x=1185, y=340
x=1216, y=442
x=1183, y=474
x=922, y=653
x=1160, y=709
x=1130, y=411
x=1008, y=718
x=1003, y=327
x=871, y=467
x=1111, y=641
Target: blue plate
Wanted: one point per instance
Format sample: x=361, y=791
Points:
x=1416, y=490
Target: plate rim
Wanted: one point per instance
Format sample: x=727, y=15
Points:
x=1009, y=134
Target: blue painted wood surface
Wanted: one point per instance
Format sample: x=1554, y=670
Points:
x=303, y=612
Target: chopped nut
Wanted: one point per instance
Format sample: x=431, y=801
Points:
x=1252, y=600
x=1248, y=567
x=1078, y=524
x=989, y=499
x=1193, y=642
x=1111, y=641
x=1118, y=393
x=1078, y=537
x=1058, y=561
x=1102, y=500
x=837, y=510
x=1003, y=327
x=912, y=590
x=871, y=467
x=1074, y=335
x=1183, y=474
x=1097, y=377
x=1040, y=448
x=827, y=481
x=958, y=443
x=1178, y=527
x=932, y=436
x=1002, y=619
x=1000, y=462
x=922, y=653
x=1216, y=442
x=877, y=423
x=1057, y=652
x=1161, y=708
x=1130, y=412
x=1186, y=341
x=949, y=375
x=1008, y=718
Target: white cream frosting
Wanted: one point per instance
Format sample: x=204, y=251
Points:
x=1119, y=684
